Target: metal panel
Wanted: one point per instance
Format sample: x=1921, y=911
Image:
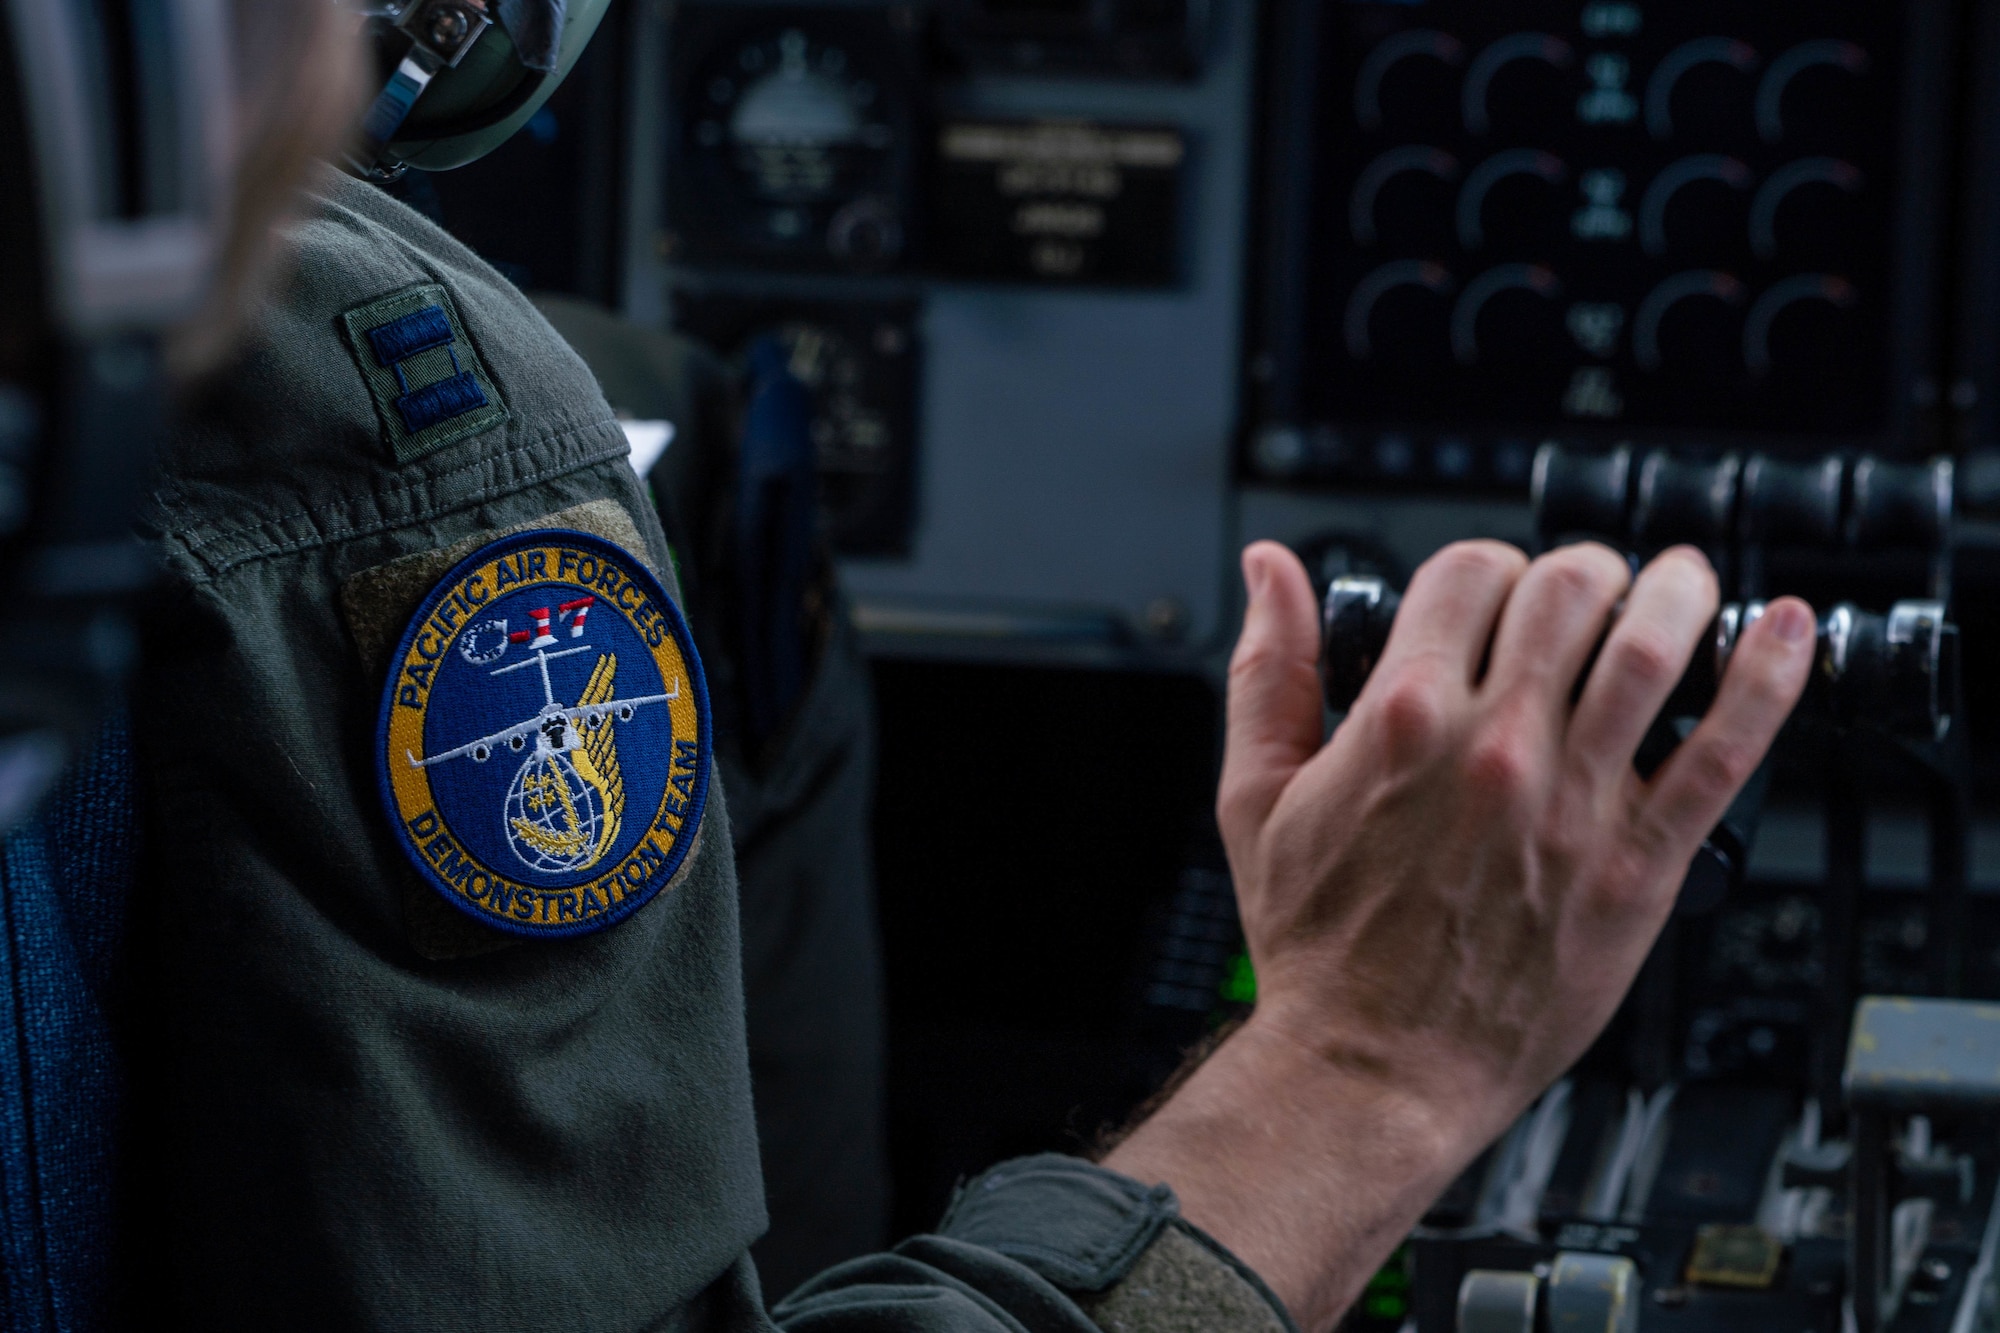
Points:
x=1074, y=444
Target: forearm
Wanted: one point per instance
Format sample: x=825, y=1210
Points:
x=1309, y=1172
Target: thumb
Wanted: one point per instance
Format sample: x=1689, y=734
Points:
x=1274, y=692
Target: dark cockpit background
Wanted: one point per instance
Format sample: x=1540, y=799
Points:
x=1089, y=293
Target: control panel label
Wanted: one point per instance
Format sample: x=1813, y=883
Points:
x=1059, y=201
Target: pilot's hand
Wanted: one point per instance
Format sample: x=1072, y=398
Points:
x=1445, y=902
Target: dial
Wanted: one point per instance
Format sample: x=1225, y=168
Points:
x=1595, y=221
x=794, y=141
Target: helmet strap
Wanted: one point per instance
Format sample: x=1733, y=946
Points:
x=439, y=33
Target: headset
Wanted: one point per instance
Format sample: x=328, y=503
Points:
x=116, y=128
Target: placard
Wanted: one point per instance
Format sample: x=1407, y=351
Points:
x=1059, y=202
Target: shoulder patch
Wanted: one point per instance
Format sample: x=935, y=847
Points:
x=429, y=385
x=545, y=743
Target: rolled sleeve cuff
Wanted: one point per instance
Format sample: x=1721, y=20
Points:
x=1118, y=1248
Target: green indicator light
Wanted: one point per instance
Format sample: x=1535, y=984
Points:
x=1239, y=981
x=1387, y=1295
x=1385, y=1305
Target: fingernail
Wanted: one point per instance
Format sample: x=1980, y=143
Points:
x=1257, y=577
x=1700, y=556
x=1792, y=622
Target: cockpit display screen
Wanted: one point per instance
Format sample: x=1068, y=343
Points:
x=1610, y=213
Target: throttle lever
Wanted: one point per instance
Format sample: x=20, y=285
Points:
x=1897, y=672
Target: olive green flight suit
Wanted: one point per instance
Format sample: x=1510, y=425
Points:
x=800, y=819
x=361, y=1110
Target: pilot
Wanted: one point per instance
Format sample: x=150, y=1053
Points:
x=443, y=1041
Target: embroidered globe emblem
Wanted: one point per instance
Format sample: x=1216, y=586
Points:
x=555, y=819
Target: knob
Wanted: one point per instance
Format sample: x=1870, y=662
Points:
x=1575, y=492
x=1906, y=505
x=867, y=233
x=1593, y=1293
x=1793, y=504
x=1684, y=500
x=1491, y=1301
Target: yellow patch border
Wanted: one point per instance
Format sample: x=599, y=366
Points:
x=622, y=583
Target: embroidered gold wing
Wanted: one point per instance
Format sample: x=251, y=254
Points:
x=597, y=760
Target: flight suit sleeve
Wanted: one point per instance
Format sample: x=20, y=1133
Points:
x=1047, y=1243
x=800, y=805
x=358, y=1106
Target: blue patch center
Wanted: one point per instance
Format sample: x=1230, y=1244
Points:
x=533, y=806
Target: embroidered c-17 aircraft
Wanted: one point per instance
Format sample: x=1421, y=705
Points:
x=557, y=728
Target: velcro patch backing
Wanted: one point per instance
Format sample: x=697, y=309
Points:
x=545, y=744
x=429, y=385
x=377, y=603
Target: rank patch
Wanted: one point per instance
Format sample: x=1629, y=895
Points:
x=429, y=386
x=545, y=742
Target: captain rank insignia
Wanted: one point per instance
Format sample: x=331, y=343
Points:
x=545, y=742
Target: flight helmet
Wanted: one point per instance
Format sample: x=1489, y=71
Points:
x=459, y=77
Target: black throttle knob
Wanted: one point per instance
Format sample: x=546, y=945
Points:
x=1897, y=672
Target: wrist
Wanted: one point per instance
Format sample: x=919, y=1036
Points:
x=1372, y=1100
x=1309, y=1168
x=1454, y=1101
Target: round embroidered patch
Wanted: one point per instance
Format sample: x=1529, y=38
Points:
x=545, y=740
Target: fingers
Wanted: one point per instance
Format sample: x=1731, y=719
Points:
x=1556, y=616
x=1448, y=614
x=1274, y=693
x=1666, y=616
x=1766, y=675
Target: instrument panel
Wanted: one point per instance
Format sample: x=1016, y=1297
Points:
x=794, y=136
x=1495, y=223
x=1089, y=278
x=1358, y=246
x=1056, y=193
x=857, y=359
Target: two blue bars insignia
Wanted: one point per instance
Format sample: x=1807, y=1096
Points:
x=419, y=331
